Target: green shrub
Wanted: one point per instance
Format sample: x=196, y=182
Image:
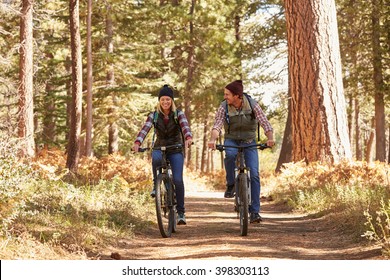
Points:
x=379, y=227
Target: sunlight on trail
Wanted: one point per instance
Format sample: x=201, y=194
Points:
x=194, y=183
x=198, y=187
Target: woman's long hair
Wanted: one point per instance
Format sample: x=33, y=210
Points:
x=159, y=109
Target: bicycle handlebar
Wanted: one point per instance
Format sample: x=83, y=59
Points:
x=261, y=146
x=162, y=148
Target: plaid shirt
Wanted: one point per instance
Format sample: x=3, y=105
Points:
x=220, y=118
x=183, y=122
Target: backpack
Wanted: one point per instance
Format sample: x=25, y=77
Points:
x=252, y=116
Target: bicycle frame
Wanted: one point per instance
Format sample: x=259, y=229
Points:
x=165, y=197
x=242, y=184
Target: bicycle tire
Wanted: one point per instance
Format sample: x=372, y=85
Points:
x=243, y=203
x=163, y=211
x=172, y=207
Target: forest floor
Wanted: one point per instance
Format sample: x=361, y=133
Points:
x=212, y=232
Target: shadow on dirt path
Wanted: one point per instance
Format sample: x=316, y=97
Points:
x=212, y=232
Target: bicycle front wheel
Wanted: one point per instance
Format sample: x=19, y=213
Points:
x=164, y=209
x=243, y=203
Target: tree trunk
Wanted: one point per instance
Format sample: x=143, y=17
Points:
x=190, y=74
x=26, y=92
x=370, y=141
x=359, y=154
x=319, y=120
x=197, y=158
x=380, y=124
x=388, y=159
x=203, y=166
x=113, y=143
x=68, y=68
x=350, y=119
x=49, y=120
x=286, y=150
x=237, y=26
x=77, y=88
x=89, y=121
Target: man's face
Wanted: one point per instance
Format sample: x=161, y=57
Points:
x=230, y=98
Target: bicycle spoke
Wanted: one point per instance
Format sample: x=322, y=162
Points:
x=162, y=207
x=243, y=203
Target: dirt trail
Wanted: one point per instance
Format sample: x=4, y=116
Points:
x=212, y=232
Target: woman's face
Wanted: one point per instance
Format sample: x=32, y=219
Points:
x=165, y=102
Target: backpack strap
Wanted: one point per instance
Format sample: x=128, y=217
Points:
x=253, y=115
x=155, y=118
x=227, y=116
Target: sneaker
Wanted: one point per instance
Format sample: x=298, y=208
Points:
x=153, y=193
x=229, y=193
x=181, y=219
x=255, y=218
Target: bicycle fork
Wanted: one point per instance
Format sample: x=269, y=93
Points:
x=249, y=191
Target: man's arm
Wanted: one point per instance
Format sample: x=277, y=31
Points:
x=217, y=127
x=270, y=136
x=214, y=135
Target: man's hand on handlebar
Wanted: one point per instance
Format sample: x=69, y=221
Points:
x=211, y=145
x=270, y=143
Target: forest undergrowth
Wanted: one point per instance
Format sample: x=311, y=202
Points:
x=47, y=213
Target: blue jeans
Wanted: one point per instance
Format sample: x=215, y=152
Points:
x=177, y=163
x=252, y=162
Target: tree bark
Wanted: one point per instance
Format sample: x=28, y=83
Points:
x=370, y=141
x=49, y=119
x=77, y=83
x=190, y=74
x=203, y=167
x=380, y=123
x=89, y=115
x=26, y=106
x=286, y=150
x=113, y=133
x=359, y=154
x=388, y=159
x=319, y=121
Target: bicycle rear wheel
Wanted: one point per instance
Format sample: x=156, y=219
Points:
x=172, y=212
x=164, y=207
x=243, y=203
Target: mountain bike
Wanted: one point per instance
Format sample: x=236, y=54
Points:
x=242, y=184
x=165, y=193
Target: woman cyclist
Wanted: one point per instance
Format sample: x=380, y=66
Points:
x=170, y=127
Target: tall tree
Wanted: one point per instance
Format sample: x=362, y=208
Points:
x=286, y=149
x=73, y=148
x=379, y=86
x=319, y=121
x=190, y=71
x=89, y=121
x=113, y=144
x=26, y=106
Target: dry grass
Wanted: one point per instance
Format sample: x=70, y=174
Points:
x=47, y=214
x=356, y=195
x=52, y=215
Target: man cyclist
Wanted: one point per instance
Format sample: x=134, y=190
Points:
x=240, y=115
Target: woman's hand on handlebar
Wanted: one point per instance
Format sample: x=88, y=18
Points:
x=135, y=147
x=188, y=143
